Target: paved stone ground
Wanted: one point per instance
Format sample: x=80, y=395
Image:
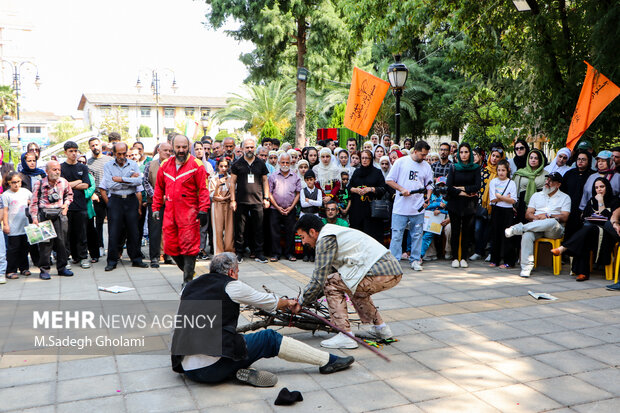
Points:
x=469, y=340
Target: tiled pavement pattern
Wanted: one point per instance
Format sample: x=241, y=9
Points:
x=469, y=340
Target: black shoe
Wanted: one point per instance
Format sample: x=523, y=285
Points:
x=340, y=363
x=110, y=267
x=306, y=258
x=312, y=259
x=139, y=264
x=261, y=258
x=154, y=265
x=239, y=258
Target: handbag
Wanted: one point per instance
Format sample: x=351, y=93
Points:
x=381, y=208
x=482, y=212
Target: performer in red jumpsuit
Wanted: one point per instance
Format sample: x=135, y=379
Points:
x=181, y=181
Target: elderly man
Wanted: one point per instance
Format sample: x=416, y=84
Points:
x=120, y=189
x=248, y=200
x=363, y=267
x=229, y=147
x=263, y=153
x=51, y=197
x=547, y=212
x=164, y=151
x=232, y=357
x=182, y=182
x=284, y=188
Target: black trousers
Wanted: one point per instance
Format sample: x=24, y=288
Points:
x=122, y=218
x=141, y=220
x=17, y=253
x=282, y=223
x=57, y=244
x=253, y=214
x=76, y=243
x=92, y=238
x=579, y=246
x=502, y=247
x=369, y=226
x=187, y=264
x=155, y=232
x=101, y=211
x=465, y=225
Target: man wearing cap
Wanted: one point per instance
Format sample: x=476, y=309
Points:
x=605, y=168
x=547, y=212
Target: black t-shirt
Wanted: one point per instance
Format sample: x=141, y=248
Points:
x=74, y=173
x=248, y=192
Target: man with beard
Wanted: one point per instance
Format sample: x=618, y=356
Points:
x=120, y=186
x=182, y=182
x=443, y=165
x=95, y=167
x=547, y=212
x=229, y=147
x=249, y=176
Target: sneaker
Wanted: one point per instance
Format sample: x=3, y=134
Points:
x=261, y=258
x=239, y=258
x=488, y=258
x=525, y=273
x=455, y=264
x=257, y=378
x=463, y=264
x=474, y=257
x=68, y=266
x=45, y=275
x=339, y=341
x=2, y=279
x=614, y=287
x=66, y=273
x=85, y=264
x=431, y=258
x=416, y=265
x=306, y=258
x=375, y=332
x=514, y=230
x=448, y=256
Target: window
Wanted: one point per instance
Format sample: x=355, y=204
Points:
x=189, y=112
x=32, y=129
x=145, y=112
x=168, y=112
x=106, y=108
x=205, y=111
x=2, y=129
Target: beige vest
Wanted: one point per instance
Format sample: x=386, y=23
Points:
x=357, y=252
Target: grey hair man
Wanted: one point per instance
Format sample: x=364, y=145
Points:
x=237, y=352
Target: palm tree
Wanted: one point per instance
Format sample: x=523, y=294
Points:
x=8, y=102
x=273, y=101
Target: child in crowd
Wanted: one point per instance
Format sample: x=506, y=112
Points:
x=15, y=202
x=302, y=168
x=344, y=201
x=311, y=198
x=2, y=248
x=438, y=205
x=221, y=214
x=502, y=196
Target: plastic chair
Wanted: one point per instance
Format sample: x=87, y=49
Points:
x=609, y=268
x=617, y=259
x=557, y=261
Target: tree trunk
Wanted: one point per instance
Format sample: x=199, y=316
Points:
x=300, y=92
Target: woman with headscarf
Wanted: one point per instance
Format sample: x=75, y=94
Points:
x=591, y=238
x=487, y=174
x=385, y=166
x=463, y=186
x=573, y=183
x=519, y=161
x=30, y=174
x=366, y=185
x=312, y=156
x=605, y=168
x=327, y=175
x=408, y=144
x=559, y=163
x=377, y=154
x=394, y=155
x=529, y=180
x=368, y=146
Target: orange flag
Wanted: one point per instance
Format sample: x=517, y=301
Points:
x=365, y=98
x=596, y=93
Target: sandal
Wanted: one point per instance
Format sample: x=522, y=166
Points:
x=291, y=258
x=492, y=264
x=505, y=266
x=26, y=273
x=12, y=276
x=274, y=259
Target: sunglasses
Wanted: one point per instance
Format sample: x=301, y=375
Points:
x=15, y=182
x=519, y=148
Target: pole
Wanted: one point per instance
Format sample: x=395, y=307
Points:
x=397, y=94
x=156, y=92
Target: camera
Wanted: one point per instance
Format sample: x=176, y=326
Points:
x=53, y=197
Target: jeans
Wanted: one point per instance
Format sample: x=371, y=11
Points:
x=263, y=344
x=481, y=236
x=547, y=228
x=399, y=223
x=2, y=255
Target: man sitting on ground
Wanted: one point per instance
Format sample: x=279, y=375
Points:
x=238, y=352
x=331, y=212
x=363, y=267
x=547, y=212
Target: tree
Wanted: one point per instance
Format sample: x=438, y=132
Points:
x=115, y=120
x=65, y=130
x=271, y=102
x=8, y=101
x=289, y=35
x=270, y=130
x=144, y=132
x=337, y=118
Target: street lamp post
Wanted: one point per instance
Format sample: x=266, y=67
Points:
x=204, y=121
x=16, y=69
x=397, y=75
x=156, y=89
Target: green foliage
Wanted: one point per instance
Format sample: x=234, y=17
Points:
x=115, y=120
x=10, y=154
x=270, y=130
x=224, y=133
x=65, y=130
x=337, y=119
x=8, y=101
x=144, y=132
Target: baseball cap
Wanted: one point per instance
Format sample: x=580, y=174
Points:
x=555, y=176
x=442, y=180
x=604, y=155
x=584, y=145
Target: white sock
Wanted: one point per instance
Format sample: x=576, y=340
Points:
x=380, y=326
x=296, y=351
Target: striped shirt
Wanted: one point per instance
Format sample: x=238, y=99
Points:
x=95, y=167
x=326, y=249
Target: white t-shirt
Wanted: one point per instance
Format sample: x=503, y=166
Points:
x=552, y=205
x=17, y=202
x=497, y=186
x=411, y=175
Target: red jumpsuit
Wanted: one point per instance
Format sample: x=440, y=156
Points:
x=186, y=194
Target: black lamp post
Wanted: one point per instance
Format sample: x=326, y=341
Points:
x=156, y=89
x=16, y=68
x=397, y=75
x=204, y=120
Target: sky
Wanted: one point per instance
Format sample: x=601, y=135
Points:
x=101, y=46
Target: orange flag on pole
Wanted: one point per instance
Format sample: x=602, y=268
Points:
x=596, y=93
x=365, y=98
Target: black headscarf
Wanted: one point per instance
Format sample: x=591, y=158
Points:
x=521, y=160
x=26, y=170
x=364, y=171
